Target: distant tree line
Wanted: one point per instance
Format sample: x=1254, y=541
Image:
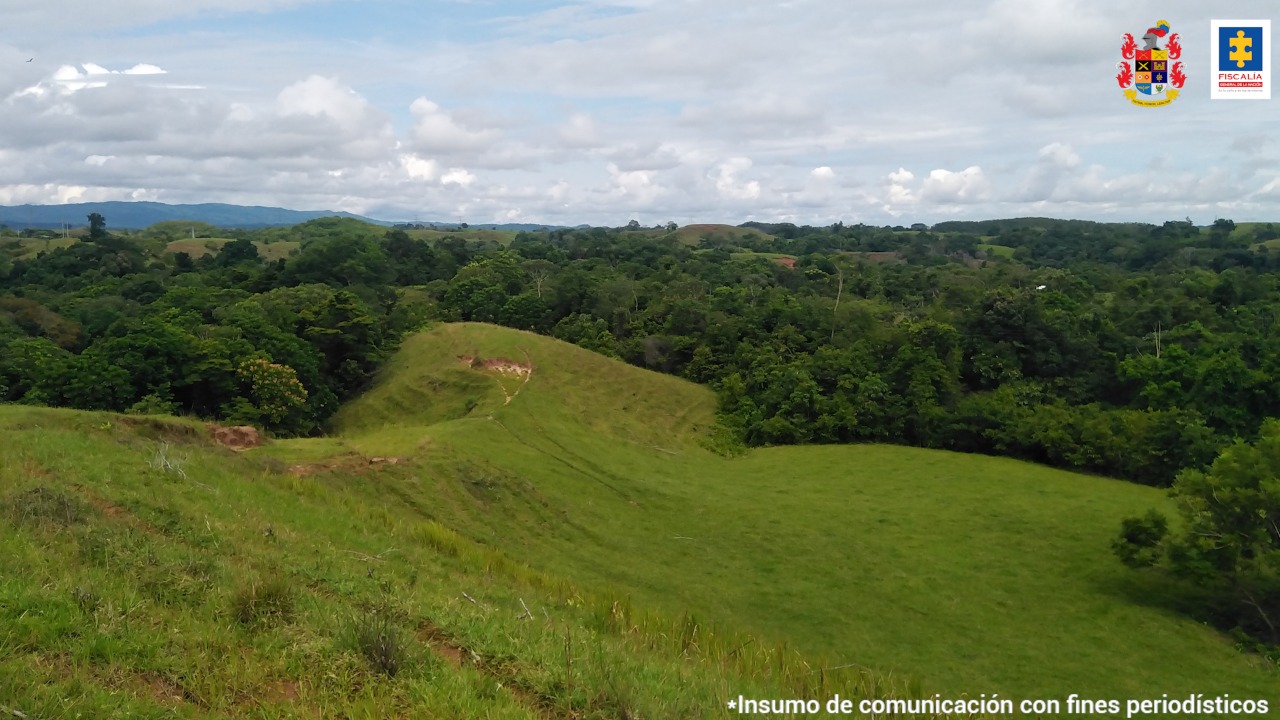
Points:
x=1128, y=350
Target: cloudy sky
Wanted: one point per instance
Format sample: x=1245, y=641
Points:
x=602, y=111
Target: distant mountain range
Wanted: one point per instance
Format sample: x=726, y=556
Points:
x=138, y=215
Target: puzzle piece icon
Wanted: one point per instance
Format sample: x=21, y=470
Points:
x=1238, y=51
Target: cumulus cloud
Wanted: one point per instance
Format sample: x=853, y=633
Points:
x=730, y=185
x=944, y=186
x=419, y=168
x=588, y=111
x=457, y=176
x=635, y=185
x=436, y=131
x=898, y=191
x=324, y=97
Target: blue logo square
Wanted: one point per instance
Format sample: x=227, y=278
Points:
x=1239, y=49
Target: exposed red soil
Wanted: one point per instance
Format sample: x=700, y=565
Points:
x=115, y=512
x=786, y=262
x=238, y=438
x=499, y=365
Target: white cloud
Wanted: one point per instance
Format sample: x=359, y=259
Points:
x=420, y=168
x=638, y=185
x=144, y=69
x=580, y=131
x=945, y=186
x=898, y=191
x=457, y=176
x=321, y=96
x=436, y=131
x=730, y=186
x=68, y=79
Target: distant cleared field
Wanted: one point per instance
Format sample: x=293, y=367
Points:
x=31, y=247
x=999, y=250
x=199, y=247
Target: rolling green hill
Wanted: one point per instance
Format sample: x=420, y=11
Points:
x=725, y=234
x=968, y=573
x=199, y=247
x=490, y=475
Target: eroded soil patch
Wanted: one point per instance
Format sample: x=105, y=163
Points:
x=238, y=437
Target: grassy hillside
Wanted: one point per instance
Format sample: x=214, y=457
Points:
x=31, y=247
x=146, y=572
x=727, y=234
x=967, y=573
x=199, y=247
x=492, y=475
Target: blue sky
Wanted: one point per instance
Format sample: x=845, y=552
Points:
x=601, y=111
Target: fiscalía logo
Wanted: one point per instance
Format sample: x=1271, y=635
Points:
x=1241, y=60
x=1155, y=72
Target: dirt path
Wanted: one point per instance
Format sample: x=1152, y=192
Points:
x=460, y=655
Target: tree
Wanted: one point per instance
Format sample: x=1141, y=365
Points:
x=1229, y=542
x=538, y=271
x=238, y=251
x=97, y=227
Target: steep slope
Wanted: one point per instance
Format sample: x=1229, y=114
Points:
x=968, y=573
x=146, y=572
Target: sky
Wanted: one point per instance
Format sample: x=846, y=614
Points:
x=604, y=111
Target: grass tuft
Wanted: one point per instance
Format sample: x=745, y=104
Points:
x=375, y=635
x=43, y=506
x=86, y=599
x=261, y=603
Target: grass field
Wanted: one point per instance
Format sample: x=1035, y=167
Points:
x=694, y=234
x=199, y=247
x=32, y=247
x=1003, y=251
x=966, y=573
x=516, y=475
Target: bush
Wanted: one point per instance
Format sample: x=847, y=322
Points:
x=153, y=404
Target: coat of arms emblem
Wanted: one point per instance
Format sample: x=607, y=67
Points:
x=1154, y=72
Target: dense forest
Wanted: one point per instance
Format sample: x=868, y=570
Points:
x=1136, y=351
x=1128, y=350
